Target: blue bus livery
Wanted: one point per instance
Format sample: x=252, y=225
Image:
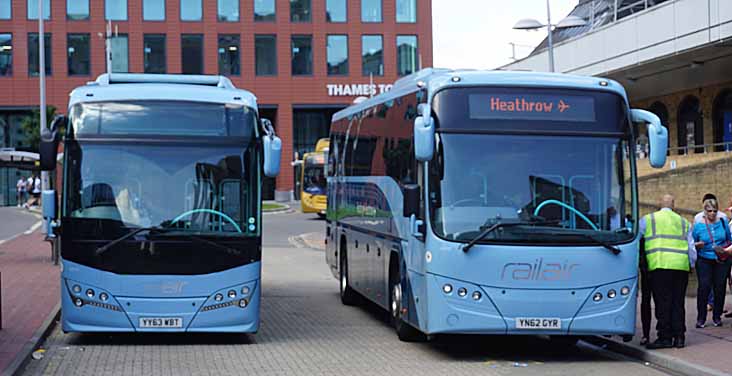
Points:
x=490, y=202
x=160, y=220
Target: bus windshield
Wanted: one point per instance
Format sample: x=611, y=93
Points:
x=314, y=181
x=569, y=185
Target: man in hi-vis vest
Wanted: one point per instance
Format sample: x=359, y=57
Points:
x=670, y=254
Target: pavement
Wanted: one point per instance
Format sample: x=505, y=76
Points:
x=29, y=291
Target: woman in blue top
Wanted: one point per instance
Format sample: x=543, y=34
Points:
x=713, y=263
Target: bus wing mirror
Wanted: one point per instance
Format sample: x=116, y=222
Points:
x=272, y=154
x=411, y=200
x=48, y=148
x=424, y=138
x=657, y=136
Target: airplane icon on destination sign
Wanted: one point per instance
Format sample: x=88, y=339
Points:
x=563, y=106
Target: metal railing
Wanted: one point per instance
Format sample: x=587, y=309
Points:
x=717, y=147
x=619, y=8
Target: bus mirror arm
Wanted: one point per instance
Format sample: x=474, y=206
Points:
x=657, y=136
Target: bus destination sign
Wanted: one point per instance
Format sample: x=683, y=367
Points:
x=532, y=107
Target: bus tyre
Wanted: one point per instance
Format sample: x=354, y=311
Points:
x=405, y=332
x=349, y=296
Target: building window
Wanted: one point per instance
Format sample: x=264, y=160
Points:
x=690, y=126
x=153, y=10
x=115, y=10
x=120, y=54
x=302, y=55
x=229, y=55
x=370, y=10
x=299, y=10
x=264, y=10
x=336, y=10
x=228, y=10
x=191, y=10
x=372, y=54
x=265, y=55
x=192, y=53
x=77, y=10
x=33, y=58
x=77, y=54
x=406, y=11
x=406, y=54
x=154, y=51
x=33, y=9
x=6, y=54
x=6, y=10
x=337, y=55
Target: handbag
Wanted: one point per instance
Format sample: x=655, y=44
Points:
x=719, y=250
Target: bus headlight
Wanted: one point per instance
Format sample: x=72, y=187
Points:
x=611, y=294
x=218, y=297
x=232, y=294
x=245, y=290
x=625, y=290
x=597, y=297
x=78, y=302
x=243, y=303
x=447, y=288
x=103, y=296
x=90, y=293
x=476, y=295
x=462, y=292
x=76, y=289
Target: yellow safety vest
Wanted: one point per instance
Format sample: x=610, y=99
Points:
x=666, y=245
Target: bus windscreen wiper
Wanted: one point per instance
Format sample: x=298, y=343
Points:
x=219, y=246
x=124, y=237
x=497, y=225
x=615, y=250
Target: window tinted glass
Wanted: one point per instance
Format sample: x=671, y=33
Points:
x=6, y=54
x=192, y=53
x=337, y=54
x=229, y=55
x=264, y=10
x=154, y=51
x=33, y=9
x=228, y=10
x=77, y=9
x=265, y=51
x=6, y=11
x=300, y=10
x=370, y=10
x=302, y=55
x=77, y=52
x=336, y=10
x=372, y=53
x=33, y=62
x=115, y=10
x=153, y=10
x=191, y=10
x=407, y=56
x=120, y=54
x=406, y=11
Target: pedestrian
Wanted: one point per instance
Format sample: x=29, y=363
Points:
x=29, y=191
x=670, y=254
x=711, y=236
x=698, y=217
x=20, y=187
x=37, y=190
x=645, y=285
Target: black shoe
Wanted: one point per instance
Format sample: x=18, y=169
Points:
x=700, y=324
x=679, y=342
x=660, y=344
x=718, y=323
x=644, y=341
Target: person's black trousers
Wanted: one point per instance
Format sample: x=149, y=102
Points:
x=669, y=294
x=645, y=307
x=712, y=277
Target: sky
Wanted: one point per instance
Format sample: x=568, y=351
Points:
x=477, y=33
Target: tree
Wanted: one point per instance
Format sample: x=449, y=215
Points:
x=31, y=129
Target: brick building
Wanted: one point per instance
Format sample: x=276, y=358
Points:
x=304, y=59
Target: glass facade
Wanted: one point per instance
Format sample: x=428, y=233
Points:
x=115, y=10
x=265, y=55
x=6, y=54
x=300, y=10
x=370, y=10
x=192, y=53
x=302, y=55
x=228, y=10
x=77, y=54
x=372, y=55
x=33, y=58
x=191, y=10
x=407, y=55
x=264, y=10
x=337, y=57
x=229, y=64
x=153, y=10
x=77, y=10
x=406, y=11
x=120, y=54
x=154, y=51
x=33, y=9
x=336, y=10
x=6, y=11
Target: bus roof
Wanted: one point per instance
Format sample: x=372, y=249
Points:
x=435, y=79
x=174, y=87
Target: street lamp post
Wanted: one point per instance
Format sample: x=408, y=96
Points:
x=532, y=24
x=45, y=183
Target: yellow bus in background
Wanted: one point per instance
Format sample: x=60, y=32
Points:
x=312, y=180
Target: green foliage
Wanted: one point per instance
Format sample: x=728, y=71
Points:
x=31, y=128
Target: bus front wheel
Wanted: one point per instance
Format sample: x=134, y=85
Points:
x=405, y=332
x=348, y=295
